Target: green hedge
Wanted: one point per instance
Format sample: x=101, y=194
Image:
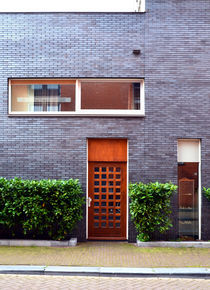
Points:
x=150, y=207
x=40, y=208
x=207, y=192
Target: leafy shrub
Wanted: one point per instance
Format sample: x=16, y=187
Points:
x=150, y=207
x=207, y=192
x=46, y=207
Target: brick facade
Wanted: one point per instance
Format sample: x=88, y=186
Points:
x=174, y=40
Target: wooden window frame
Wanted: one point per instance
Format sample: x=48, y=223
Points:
x=78, y=111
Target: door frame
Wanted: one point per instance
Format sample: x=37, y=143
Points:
x=199, y=140
x=199, y=191
x=127, y=179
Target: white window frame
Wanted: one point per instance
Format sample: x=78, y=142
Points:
x=86, y=112
x=199, y=177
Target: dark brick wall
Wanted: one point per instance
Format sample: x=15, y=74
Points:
x=174, y=39
x=177, y=78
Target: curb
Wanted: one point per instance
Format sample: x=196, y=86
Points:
x=107, y=271
x=166, y=244
x=38, y=243
x=73, y=242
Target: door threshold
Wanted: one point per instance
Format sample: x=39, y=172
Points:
x=106, y=239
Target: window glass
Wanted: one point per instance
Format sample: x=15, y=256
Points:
x=110, y=95
x=43, y=97
x=77, y=97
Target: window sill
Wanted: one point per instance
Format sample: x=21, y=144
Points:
x=83, y=113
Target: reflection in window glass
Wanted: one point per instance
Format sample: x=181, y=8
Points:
x=119, y=95
x=43, y=97
x=188, y=200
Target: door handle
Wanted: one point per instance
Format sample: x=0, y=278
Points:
x=89, y=199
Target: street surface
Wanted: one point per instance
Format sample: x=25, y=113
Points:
x=106, y=254
x=32, y=282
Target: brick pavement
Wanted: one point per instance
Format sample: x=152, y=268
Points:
x=106, y=254
x=31, y=282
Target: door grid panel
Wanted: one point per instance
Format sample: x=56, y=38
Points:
x=107, y=190
x=107, y=196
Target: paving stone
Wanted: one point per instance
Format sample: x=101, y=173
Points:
x=25, y=282
x=106, y=254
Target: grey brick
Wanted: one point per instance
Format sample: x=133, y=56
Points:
x=174, y=40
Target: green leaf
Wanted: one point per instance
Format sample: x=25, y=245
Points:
x=150, y=207
x=40, y=207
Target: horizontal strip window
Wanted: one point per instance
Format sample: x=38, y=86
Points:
x=76, y=97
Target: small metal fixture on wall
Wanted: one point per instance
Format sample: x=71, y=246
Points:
x=136, y=51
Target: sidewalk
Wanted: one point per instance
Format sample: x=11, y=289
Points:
x=107, y=254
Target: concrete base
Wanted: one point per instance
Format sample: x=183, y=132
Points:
x=173, y=244
x=39, y=243
x=73, y=242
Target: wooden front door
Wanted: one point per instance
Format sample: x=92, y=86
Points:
x=107, y=189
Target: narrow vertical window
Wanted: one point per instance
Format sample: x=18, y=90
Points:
x=188, y=182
